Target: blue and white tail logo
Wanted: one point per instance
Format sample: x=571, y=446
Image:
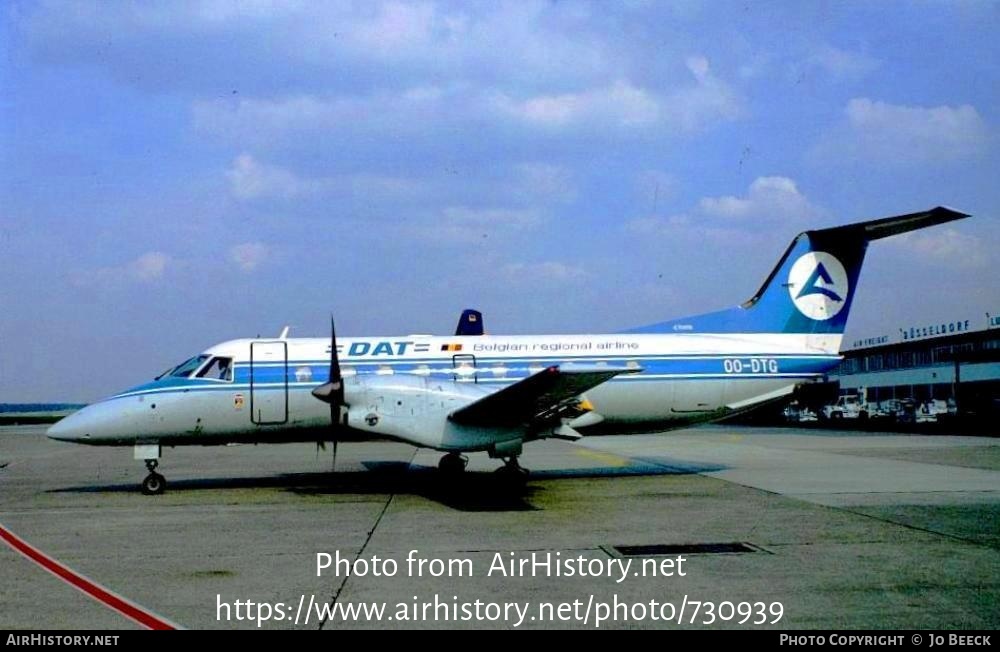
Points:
x=818, y=285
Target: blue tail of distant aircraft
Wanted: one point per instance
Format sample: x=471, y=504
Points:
x=811, y=289
x=470, y=323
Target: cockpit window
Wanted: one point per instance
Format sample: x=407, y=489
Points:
x=218, y=369
x=186, y=368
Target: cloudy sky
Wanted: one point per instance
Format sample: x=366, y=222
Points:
x=174, y=174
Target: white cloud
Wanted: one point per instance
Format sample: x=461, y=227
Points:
x=754, y=66
x=246, y=116
x=466, y=225
x=415, y=110
x=266, y=121
x=529, y=40
x=843, y=64
x=698, y=65
x=247, y=256
x=251, y=179
x=148, y=267
x=544, y=181
x=548, y=272
x=730, y=220
x=226, y=11
x=768, y=198
x=944, y=246
x=623, y=104
x=901, y=135
x=709, y=100
x=684, y=227
x=397, y=28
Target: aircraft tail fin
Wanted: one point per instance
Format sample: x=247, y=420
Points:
x=811, y=289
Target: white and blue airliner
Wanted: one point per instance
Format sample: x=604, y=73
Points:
x=473, y=392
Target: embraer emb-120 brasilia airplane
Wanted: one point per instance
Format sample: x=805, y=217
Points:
x=474, y=392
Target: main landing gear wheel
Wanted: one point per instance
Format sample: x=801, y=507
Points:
x=453, y=464
x=513, y=471
x=154, y=483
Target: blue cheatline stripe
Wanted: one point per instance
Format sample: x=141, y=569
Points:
x=679, y=367
x=662, y=367
x=552, y=358
x=728, y=365
x=295, y=386
x=786, y=363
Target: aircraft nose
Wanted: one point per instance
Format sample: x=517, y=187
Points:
x=75, y=427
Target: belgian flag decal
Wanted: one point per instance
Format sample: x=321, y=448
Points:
x=451, y=347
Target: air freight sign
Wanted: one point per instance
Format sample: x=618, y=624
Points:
x=923, y=331
x=934, y=330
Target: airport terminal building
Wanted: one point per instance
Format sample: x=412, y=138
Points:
x=956, y=362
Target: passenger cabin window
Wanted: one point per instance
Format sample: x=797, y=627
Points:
x=186, y=368
x=218, y=369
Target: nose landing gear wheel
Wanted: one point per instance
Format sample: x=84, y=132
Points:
x=154, y=484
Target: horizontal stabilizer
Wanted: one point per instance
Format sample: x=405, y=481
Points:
x=537, y=398
x=889, y=226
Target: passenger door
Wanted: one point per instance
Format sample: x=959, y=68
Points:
x=463, y=368
x=268, y=383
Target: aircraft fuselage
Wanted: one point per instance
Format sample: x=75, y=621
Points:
x=266, y=397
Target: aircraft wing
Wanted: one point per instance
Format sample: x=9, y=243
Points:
x=537, y=398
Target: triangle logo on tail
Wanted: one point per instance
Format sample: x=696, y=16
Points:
x=812, y=286
x=818, y=285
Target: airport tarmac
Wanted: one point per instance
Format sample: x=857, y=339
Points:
x=845, y=530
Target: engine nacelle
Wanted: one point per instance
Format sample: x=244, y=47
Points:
x=415, y=410
x=508, y=448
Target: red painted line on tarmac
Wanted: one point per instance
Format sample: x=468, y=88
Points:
x=126, y=608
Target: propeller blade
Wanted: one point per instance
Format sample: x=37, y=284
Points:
x=334, y=358
x=332, y=391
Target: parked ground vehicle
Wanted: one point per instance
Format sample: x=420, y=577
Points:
x=931, y=411
x=848, y=406
x=795, y=412
x=901, y=410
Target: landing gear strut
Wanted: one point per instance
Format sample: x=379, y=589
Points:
x=154, y=483
x=453, y=464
